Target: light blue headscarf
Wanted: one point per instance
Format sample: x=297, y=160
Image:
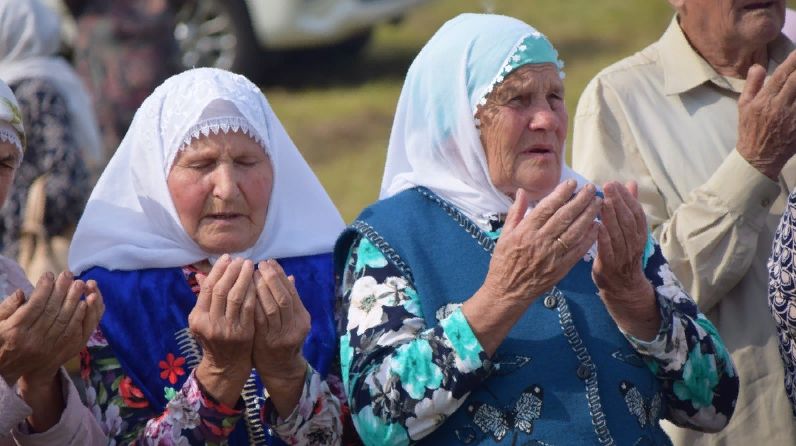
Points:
x=435, y=141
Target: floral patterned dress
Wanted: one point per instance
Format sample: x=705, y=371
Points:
x=192, y=417
x=404, y=379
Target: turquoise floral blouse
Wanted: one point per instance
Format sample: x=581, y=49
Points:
x=386, y=340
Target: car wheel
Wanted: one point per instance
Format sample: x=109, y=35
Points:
x=216, y=33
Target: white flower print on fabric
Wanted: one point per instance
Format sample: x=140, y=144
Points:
x=677, y=355
x=366, y=311
x=410, y=329
x=368, y=299
x=671, y=287
x=430, y=413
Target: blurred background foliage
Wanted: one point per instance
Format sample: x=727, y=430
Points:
x=339, y=110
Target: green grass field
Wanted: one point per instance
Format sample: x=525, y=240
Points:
x=339, y=112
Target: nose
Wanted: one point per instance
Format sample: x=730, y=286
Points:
x=543, y=118
x=225, y=182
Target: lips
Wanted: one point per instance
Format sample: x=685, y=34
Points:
x=541, y=149
x=224, y=216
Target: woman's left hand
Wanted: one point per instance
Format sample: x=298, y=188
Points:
x=282, y=323
x=617, y=270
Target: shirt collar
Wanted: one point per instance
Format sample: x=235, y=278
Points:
x=684, y=69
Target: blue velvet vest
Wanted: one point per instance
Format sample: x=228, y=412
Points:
x=564, y=375
x=146, y=317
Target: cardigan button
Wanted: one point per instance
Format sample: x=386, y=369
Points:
x=584, y=371
x=550, y=301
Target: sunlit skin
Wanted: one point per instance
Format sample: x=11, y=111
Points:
x=221, y=186
x=523, y=128
x=731, y=34
x=9, y=161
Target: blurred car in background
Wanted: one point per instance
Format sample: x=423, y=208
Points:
x=232, y=34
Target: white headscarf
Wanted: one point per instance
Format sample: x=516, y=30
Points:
x=11, y=128
x=29, y=41
x=130, y=221
x=434, y=141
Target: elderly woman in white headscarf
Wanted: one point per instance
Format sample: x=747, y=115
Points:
x=207, y=338
x=486, y=301
x=63, y=139
x=40, y=329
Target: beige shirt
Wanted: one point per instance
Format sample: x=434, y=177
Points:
x=664, y=118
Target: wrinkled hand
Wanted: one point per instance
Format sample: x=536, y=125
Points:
x=617, y=270
x=38, y=336
x=282, y=324
x=222, y=321
x=536, y=251
x=767, y=118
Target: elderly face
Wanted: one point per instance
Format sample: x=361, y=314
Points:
x=523, y=127
x=221, y=186
x=734, y=22
x=9, y=161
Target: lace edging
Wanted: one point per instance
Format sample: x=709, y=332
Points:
x=510, y=64
x=217, y=125
x=7, y=135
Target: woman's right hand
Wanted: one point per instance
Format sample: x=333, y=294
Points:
x=534, y=252
x=38, y=336
x=537, y=250
x=223, y=323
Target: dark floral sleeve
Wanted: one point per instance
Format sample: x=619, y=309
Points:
x=191, y=417
x=389, y=357
x=688, y=356
x=50, y=150
x=782, y=294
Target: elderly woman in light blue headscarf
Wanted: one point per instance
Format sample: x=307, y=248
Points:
x=493, y=295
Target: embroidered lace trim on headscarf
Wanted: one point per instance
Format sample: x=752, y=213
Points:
x=9, y=134
x=224, y=124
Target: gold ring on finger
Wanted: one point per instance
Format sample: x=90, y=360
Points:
x=564, y=245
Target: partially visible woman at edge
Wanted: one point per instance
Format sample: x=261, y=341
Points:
x=40, y=329
x=486, y=303
x=63, y=141
x=203, y=340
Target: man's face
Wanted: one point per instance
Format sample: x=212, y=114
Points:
x=733, y=23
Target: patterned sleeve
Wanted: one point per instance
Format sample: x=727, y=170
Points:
x=700, y=384
x=401, y=378
x=782, y=294
x=191, y=417
x=321, y=417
